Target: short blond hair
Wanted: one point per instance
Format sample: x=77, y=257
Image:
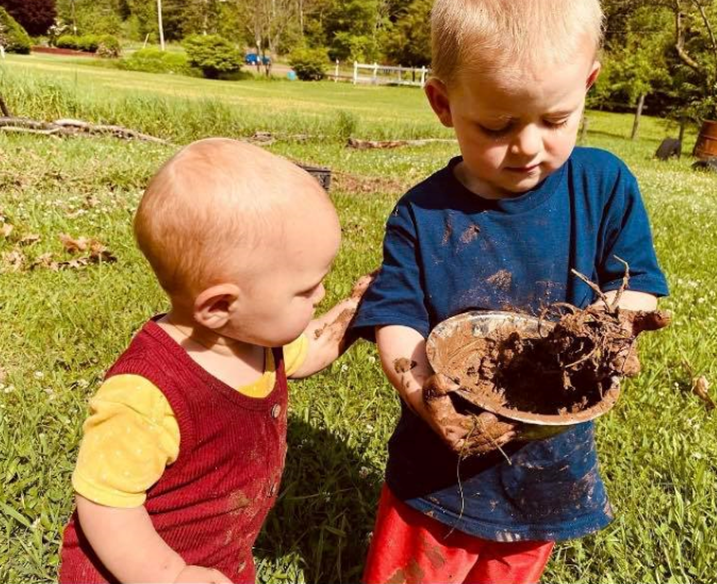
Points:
x=490, y=34
x=214, y=201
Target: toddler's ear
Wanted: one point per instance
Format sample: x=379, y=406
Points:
x=213, y=306
x=592, y=77
x=437, y=95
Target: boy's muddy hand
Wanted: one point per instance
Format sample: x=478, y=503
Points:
x=466, y=435
x=635, y=322
x=638, y=321
x=201, y=575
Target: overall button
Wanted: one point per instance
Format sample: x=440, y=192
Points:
x=275, y=411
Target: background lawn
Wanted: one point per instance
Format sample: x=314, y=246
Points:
x=61, y=329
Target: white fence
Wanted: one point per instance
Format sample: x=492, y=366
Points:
x=383, y=75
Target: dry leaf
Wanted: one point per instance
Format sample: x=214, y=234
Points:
x=91, y=201
x=30, y=239
x=700, y=387
x=6, y=230
x=14, y=259
x=73, y=245
x=44, y=261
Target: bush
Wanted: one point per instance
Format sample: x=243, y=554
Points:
x=67, y=41
x=309, y=64
x=108, y=47
x=88, y=43
x=153, y=60
x=213, y=54
x=13, y=37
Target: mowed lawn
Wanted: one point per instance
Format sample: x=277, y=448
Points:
x=60, y=330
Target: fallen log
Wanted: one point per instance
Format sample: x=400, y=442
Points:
x=368, y=144
x=69, y=127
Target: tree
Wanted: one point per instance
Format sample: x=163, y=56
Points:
x=408, y=39
x=634, y=62
x=696, y=49
x=213, y=54
x=35, y=16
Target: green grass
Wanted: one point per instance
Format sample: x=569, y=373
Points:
x=60, y=330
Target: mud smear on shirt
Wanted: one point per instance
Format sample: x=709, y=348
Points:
x=562, y=368
x=470, y=234
x=501, y=280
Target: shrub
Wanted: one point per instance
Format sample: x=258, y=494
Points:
x=152, y=60
x=88, y=43
x=67, y=41
x=213, y=54
x=13, y=37
x=309, y=64
x=108, y=47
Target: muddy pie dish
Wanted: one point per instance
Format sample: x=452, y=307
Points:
x=506, y=363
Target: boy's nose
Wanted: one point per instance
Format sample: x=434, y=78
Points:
x=527, y=142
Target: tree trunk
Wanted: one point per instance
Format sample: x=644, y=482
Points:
x=638, y=113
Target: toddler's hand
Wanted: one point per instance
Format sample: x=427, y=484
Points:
x=200, y=575
x=362, y=285
x=466, y=435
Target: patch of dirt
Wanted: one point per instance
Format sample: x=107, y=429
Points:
x=403, y=365
x=501, y=279
x=364, y=185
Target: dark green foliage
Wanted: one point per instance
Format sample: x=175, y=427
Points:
x=35, y=16
x=13, y=37
x=213, y=54
x=309, y=64
x=408, y=40
x=88, y=43
x=108, y=47
x=153, y=60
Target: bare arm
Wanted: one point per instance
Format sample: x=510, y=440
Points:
x=327, y=335
x=632, y=300
x=128, y=546
x=403, y=357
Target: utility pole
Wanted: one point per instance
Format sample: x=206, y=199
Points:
x=159, y=23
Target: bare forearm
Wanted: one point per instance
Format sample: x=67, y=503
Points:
x=403, y=358
x=127, y=543
x=632, y=300
x=327, y=336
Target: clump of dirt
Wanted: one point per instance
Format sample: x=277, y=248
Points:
x=562, y=367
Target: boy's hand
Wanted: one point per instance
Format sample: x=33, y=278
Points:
x=635, y=322
x=467, y=435
x=200, y=575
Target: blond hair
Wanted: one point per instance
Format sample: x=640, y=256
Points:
x=490, y=34
x=215, y=201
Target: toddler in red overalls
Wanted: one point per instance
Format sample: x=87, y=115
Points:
x=184, y=449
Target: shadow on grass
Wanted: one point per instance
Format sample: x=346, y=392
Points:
x=325, y=511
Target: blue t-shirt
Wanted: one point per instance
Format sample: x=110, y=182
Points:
x=446, y=251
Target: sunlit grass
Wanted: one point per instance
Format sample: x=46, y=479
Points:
x=60, y=330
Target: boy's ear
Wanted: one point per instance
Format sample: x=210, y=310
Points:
x=214, y=306
x=437, y=95
x=592, y=77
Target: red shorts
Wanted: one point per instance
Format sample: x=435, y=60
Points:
x=410, y=547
